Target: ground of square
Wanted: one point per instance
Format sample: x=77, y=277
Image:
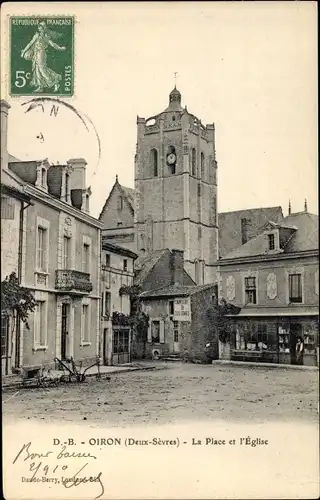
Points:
x=178, y=393
x=42, y=56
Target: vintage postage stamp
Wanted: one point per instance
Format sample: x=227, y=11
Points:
x=42, y=56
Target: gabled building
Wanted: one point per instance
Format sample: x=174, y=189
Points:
x=117, y=217
x=274, y=279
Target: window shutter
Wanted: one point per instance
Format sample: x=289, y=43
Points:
x=161, y=332
x=149, y=332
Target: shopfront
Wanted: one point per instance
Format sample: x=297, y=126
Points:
x=284, y=340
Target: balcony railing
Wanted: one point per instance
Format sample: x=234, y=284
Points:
x=68, y=280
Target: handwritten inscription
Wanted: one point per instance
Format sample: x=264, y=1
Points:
x=58, y=472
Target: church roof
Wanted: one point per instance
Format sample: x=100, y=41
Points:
x=127, y=193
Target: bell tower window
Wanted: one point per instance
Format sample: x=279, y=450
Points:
x=171, y=160
x=193, y=162
x=154, y=162
x=202, y=165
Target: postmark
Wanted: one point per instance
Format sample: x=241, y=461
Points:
x=42, y=56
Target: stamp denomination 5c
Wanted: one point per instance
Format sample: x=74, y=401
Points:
x=42, y=56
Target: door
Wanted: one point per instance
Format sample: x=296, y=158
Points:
x=64, y=330
x=104, y=346
x=295, y=333
x=176, y=337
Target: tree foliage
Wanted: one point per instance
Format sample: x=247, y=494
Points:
x=219, y=319
x=16, y=299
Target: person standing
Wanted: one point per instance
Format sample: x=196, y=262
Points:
x=299, y=351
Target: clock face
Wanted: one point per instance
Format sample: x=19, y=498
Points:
x=171, y=158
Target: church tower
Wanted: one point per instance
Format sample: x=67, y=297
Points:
x=176, y=188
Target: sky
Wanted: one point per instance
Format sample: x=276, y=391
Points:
x=248, y=67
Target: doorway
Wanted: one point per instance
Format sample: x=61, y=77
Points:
x=64, y=330
x=104, y=346
x=176, y=337
x=295, y=333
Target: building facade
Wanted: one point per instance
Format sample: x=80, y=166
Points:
x=116, y=275
x=58, y=261
x=178, y=321
x=274, y=279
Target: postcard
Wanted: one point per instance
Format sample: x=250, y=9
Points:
x=159, y=250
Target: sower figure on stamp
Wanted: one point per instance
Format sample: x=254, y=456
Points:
x=36, y=51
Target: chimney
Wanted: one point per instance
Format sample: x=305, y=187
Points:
x=4, y=133
x=289, y=209
x=176, y=266
x=244, y=231
x=78, y=182
x=305, y=206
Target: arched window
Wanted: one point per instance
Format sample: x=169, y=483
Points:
x=172, y=165
x=202, y=166
x=193, y=162
x=154, y=162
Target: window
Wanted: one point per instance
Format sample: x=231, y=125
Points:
x=107, y=304
x=271, y=244
x=250, y=290
x=7, y=208
x=155, y=331
x=66, y=252
x=41, y=254
x=120, y=203
x=40, y=324
x=193, y=162
x=176, y=331
x=125, y=265
x=85, y=323
x=295, y=288
x=202, y=165
x=85, y=258
x=4, y=334
x=171, y=307
x=107, y=260
x=154, y=162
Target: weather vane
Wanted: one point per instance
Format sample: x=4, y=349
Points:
x=175, y=78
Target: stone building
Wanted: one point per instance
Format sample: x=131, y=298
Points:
x=178, y=321
x=116, y=275
x=274, y=279
x=59, y=262
x=176, y=162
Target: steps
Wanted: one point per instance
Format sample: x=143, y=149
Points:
x=171, y=357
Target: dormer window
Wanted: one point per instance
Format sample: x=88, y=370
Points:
x=271, y=242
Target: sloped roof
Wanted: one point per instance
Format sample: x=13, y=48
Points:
x=127, y=193
x=145, y=263
x=304, y=237
x=175, y=291
x=307, y=236
x=12, y=158
x=230, y=225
